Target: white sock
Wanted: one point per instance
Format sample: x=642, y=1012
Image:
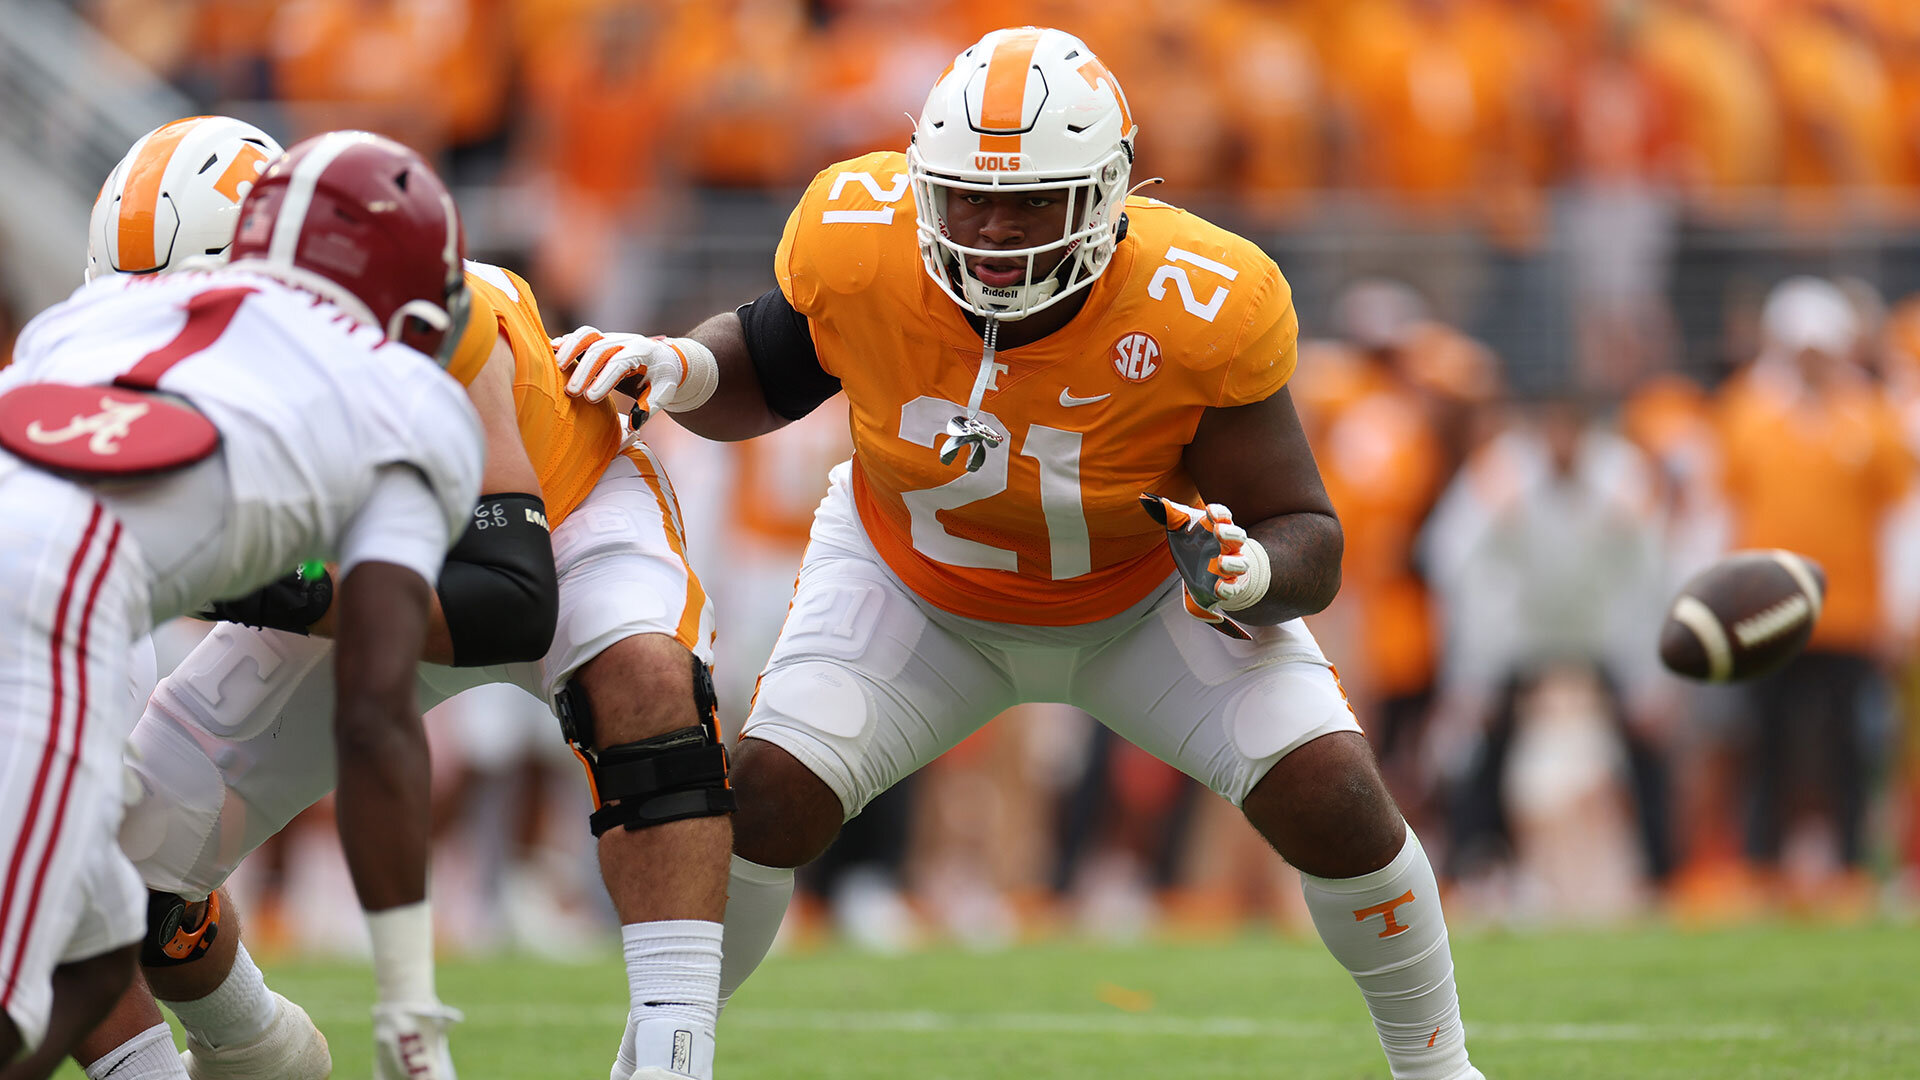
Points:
x=403, y=954
x=673, y=986
x=238, y=1011
x=757, y=898
x=1386, y=928
x=149, y=1055
x=673, y=970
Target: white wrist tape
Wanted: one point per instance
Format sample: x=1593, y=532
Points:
x=703, y=375
x=1252, y=584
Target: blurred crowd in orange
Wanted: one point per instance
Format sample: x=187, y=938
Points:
x=1449, y=104
x=1465, y=128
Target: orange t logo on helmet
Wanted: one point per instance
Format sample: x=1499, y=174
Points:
x=1031, y=107
x=1003, y=99
x=167, y=203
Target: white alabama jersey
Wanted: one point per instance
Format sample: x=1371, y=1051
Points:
x=308, y=402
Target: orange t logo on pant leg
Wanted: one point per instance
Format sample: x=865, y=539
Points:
x=1392, y=925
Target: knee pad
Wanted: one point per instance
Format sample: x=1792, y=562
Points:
x=170, y=941
x=636, y=785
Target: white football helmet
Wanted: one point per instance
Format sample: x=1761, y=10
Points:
x=1023, y=107
x=176, y=196
x=1807, y=312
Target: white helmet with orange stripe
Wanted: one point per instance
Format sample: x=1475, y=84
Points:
x=1024, y=107
x=176, y=196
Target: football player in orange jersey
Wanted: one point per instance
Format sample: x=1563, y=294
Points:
x=1024, y=350
x=237, y=742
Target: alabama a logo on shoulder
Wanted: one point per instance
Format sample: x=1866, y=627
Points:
x=102, y=430
x=1136, y=357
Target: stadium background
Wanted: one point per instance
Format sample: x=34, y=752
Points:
x=1530, y=242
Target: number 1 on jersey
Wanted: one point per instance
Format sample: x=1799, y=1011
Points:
x=1056, y=451
x=1069, y=551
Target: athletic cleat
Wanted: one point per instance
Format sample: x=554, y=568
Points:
x=290, y=1049
x=674, y=1049
x=410, y=1042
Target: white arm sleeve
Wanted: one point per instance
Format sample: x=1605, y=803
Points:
x=401, y=523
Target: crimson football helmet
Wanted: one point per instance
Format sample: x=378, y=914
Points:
x=362, y=221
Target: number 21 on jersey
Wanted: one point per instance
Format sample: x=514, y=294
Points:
x=1057, y=451
x=888, y=195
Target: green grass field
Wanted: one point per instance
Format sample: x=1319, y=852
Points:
x=1759, y=1003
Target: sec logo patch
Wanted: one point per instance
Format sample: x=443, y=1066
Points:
x=1136, y=357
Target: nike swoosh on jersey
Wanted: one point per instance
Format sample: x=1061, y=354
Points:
x=1067, y=399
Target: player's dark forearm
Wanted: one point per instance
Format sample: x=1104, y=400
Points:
x=737, y=410
x=380, y=745
x=436, y=649
x=1304, y=552
x=382, y=799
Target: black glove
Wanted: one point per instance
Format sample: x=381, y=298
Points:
x=292, y=603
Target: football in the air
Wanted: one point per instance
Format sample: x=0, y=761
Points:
x=1743, y=617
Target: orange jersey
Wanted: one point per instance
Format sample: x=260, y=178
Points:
x=1049, y=531
x=1381, y=459
x=569, y=440
x=1816, y=475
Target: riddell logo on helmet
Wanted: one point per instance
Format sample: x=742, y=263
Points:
x=997, y=162
x=1136, y=357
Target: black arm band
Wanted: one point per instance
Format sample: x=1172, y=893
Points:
x=781, y=347
x=498, y=590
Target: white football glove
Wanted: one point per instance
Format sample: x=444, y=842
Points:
x=1224, y=569
x=1243, y=566
x=675, y=374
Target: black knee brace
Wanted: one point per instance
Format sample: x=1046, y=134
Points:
x=170, y=942
x=681, y=774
